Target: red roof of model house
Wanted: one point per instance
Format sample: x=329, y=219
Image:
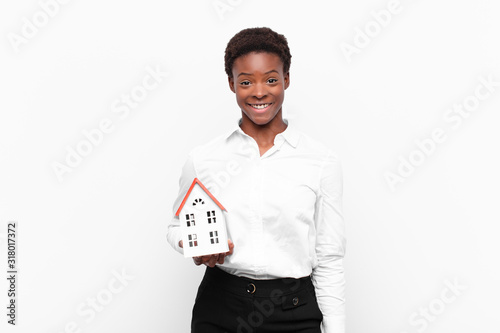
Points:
x=196, y=180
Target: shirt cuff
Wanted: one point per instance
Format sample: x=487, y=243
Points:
x=174, y=236
x=333, y=325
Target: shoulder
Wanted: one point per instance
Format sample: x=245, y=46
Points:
x=209, y=147
x=316, y=147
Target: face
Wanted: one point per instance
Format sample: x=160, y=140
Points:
x=259, y=84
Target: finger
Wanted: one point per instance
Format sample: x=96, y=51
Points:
x=231, y=246
x=206, y=259
x=212, y=260
x=216, y=258
x=221, y=258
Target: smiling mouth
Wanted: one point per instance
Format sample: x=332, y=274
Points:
x=260, y=106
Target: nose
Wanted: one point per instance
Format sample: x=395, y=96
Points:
x=259, y=91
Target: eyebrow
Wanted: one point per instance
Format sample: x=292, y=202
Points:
x=272, y=70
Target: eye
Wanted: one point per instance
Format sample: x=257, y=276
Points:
x=244, y=83
x=272, y=80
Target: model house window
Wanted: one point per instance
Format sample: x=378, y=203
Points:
x=214, y=237
x=193, y=240
x=190, y=220
x=211, y=216
x=198, y=201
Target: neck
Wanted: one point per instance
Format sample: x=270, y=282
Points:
x=263, y=134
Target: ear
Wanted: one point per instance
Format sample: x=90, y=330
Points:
x=287, y=79
x=231, y=83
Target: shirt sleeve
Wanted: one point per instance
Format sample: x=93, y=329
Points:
x=188, y=174
x=328, y=274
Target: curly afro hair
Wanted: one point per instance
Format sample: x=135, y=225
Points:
x=257, y=40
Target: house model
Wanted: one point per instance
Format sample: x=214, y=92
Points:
x=202, y=222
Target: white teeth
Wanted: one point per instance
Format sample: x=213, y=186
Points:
x=260, y=106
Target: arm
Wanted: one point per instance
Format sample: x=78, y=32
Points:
x=328, y=275
x=174, y=235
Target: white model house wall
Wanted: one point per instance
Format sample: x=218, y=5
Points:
x=206, y=233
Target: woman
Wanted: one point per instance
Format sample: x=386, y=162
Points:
x=283, y=193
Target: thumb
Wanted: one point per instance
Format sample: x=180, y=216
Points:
x=231, y=246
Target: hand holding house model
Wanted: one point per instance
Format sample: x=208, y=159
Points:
x=202, y=222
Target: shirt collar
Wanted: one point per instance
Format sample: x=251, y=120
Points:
x=290, y=134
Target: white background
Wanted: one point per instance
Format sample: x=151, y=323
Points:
x=110, y=213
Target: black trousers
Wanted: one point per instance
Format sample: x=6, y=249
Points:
x=226, y=303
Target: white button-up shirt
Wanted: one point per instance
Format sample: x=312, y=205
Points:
x=284, y=210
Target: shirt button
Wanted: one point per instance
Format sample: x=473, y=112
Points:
x=295, y=301
x=251, y=288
